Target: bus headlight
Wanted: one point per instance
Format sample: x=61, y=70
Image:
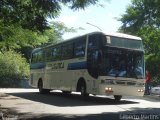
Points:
x=108, y=89
x=140, y=90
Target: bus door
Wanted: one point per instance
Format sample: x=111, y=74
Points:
x=93, y=58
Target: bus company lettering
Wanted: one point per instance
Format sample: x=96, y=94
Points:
x=59, y=65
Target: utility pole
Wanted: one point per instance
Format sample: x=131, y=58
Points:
x=94, y=26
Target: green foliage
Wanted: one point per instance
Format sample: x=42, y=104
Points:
x=78, y=4
x=151, y=39
x=33, y=14
x=14, y=36
x=57, y=30
x=139, y=14
x=13, y=67
x=153, y=65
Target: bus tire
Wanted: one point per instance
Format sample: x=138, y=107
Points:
x=117, y=97
x=83, y=92
x=41, y=89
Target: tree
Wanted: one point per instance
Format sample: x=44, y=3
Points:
x=141, y=13
x=14, y=37
x=13, y=68
x=33, y=14
x=142, y=18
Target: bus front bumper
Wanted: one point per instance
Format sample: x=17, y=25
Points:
x=121, y=90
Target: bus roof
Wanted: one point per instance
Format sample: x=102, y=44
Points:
x=121, y=35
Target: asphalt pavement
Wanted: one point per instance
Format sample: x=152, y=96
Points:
x=28, y=104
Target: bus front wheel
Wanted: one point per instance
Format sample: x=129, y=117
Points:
x=83, y=90
x=41, y=89
x=117, y=97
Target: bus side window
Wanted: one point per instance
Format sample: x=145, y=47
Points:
x=58, y=53
x=67, y=51
x=37, y=57
x=34, y=57
x=93, y=46
x=93, y=42
x=40, y=56
x=79, y=48
x=54, y=53
x=48, y=56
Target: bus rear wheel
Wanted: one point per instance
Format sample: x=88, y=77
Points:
x=117, y=97
x=41, y=89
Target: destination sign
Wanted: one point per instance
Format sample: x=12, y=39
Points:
x=59, y=65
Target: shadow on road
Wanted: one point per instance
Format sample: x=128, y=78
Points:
x=127, y=115
x=134, y=114
x=70, y=100
x=65, y=100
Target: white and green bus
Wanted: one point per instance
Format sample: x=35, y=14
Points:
x=96, y=63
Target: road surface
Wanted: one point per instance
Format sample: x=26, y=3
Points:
x=29, y=104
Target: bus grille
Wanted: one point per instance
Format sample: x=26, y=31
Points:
x=119, y=82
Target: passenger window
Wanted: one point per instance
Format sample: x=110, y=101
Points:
x=38, y=56
x=34, y=57
x=93, y=42
x=56, y=53
x=48, y=54
x=67, y=51
x=79, y=48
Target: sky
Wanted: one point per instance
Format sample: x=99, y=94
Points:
x=103, y=17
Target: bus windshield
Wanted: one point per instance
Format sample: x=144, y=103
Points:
x=119, y=62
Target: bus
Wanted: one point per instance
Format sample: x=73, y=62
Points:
x=96, y=63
